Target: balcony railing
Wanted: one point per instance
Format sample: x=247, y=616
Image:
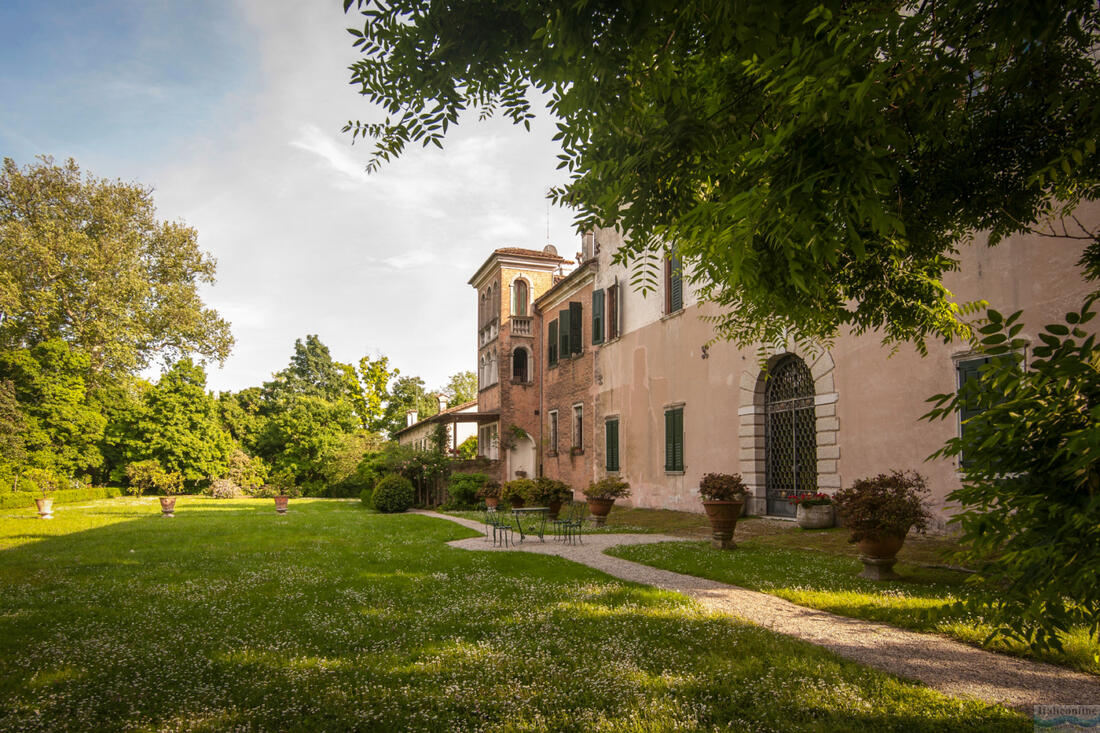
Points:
x=521, y=325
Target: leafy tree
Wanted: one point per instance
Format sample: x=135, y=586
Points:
x=62, y=430
x=242, y=415
x=375, y=376
x=13, y=450
x=815, y=164
x=408, y=393
x=178, y=427
x=312, y=371
x=85, y=260
x=461, y=388
x=249, y=473
x=297, y=438
x=1031, y=477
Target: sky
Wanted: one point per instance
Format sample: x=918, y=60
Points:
x=231, y=111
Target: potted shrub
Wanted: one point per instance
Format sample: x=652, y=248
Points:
x=723, y=497
x=879, y=512
x=602, y=494
x=551, y=493
x=490, y=494
x=148, y=476
x=517, y=492
x=814, y=511
x=285, y=488
x=46, y=483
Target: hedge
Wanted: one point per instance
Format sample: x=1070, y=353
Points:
x=21, y=499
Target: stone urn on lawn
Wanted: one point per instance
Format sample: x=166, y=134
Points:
x=814, y=511
x=601, y=496
x=45, y=508
x=723, y=497
x=879, y=512
x=168, y=506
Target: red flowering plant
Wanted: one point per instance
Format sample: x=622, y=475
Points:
x=808, y=499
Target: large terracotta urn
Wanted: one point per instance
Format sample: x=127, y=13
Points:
x=723, y=520
x=168, y=506
x=599, y=509
x=280, y=504
x=491, y=502
x=878, y=556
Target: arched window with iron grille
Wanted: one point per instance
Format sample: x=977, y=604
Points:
x=790, y=436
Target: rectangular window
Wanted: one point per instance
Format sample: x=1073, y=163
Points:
x=553, y=447
x=578, y=427
x=968, y=370
x=565, y=335
x=674, y=439
x=613, y=312
x=597, y=317
x=611, y=442
x=674, y=282
x=576, y=313
x=552, y=342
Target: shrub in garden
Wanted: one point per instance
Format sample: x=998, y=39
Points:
x=247, y=473
x=467, y=449
x=517, y=488
x=886, y=505
x=42, y=480
x=148, y=476
x=463, y=489
x=548, y=490
x=608, y=487
x=393, y=494
x=223, y=488
x=722, y=487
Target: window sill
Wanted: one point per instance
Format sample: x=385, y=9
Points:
x=576, y=452
x=551, y=454
x=673, y=314
x=679, y=472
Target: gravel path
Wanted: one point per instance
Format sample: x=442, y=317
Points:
x=945, y=665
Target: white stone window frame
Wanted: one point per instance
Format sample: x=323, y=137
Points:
x=827, y=424
x=576, y=415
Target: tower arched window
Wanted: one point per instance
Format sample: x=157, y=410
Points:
x=519, y=298
x=520, y=364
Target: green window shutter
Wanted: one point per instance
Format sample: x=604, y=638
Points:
x=675, y=283
x=612, y=432
x=613, y=311
x=552, y=342
x=968, y=371
x=564, y=333
x=576, y=313
x=597, y=317
x=669, y=447
x=674, y=439
x=679, y=434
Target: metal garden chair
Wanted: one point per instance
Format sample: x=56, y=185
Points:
x=498, y=526
x=571, y=528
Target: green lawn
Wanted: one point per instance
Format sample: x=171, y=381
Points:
x=922, y=600
x=336, y=618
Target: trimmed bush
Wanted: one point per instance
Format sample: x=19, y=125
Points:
x=22, y=499
x=367, y=497
x=393, y=494
x=223, y=488
x=463, y=489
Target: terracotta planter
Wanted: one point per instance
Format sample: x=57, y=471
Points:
x=516, y=503
x=168, y=506
x=879, y=555
x=599, y=509
x=492, y=501
x=820, y=516
x=280, y=504
x=45, y=508
x=723, y=520
x=553, y=509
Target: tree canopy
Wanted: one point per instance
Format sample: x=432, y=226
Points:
x=84, y=260
x=817, y=163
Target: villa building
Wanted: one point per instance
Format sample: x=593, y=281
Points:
x=581, y=376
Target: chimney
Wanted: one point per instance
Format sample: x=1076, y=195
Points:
x=442, y=401
x=410, y=418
